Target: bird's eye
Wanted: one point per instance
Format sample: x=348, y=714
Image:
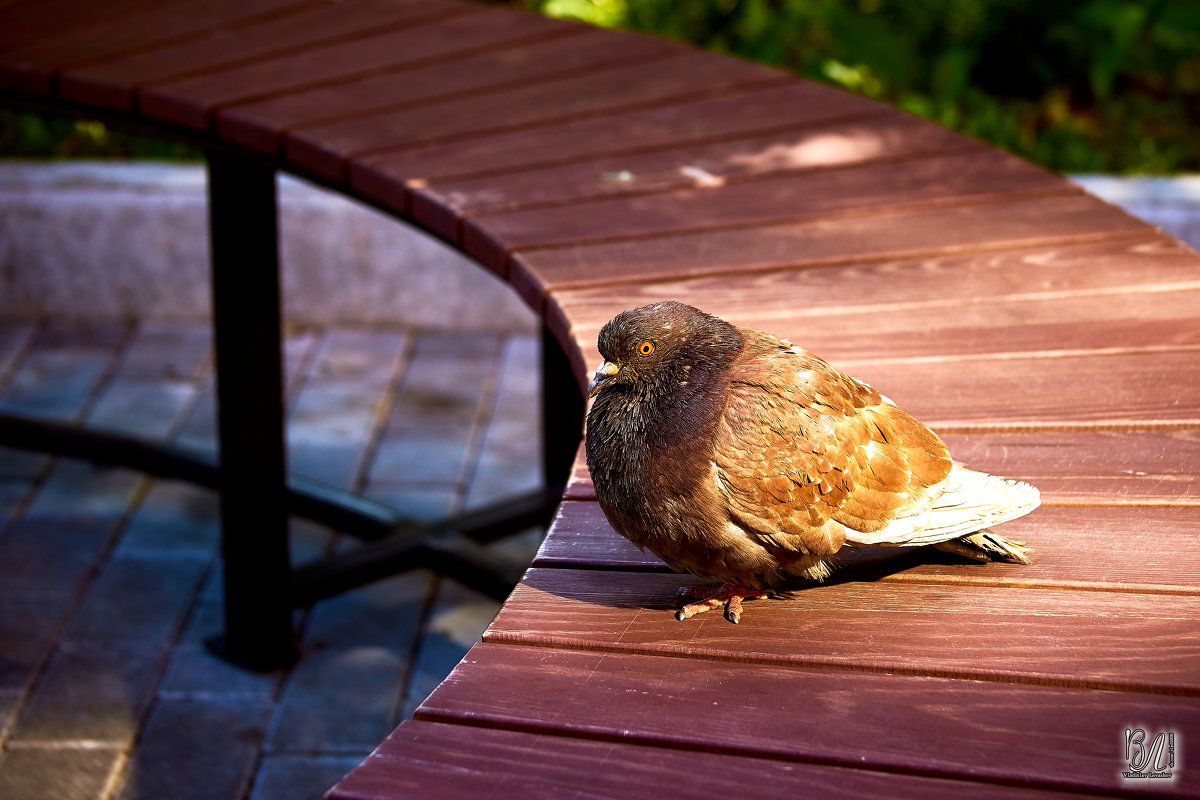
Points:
x=646, y=348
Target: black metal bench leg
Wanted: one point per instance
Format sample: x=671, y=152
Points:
x=563, y=407
x=249, y=370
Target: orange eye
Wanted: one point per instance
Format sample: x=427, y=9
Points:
x=646, y=348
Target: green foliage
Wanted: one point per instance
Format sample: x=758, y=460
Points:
x=28, y=135
x=1075, y=85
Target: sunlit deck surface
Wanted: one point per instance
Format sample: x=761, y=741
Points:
x=1046, y=335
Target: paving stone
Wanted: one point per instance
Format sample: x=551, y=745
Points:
x=21, y=464
x=13, y=494
x=197, y=749
x=139, y=599
x=510, y=457
x=26, y=629
x=298, y=349
x=520, y=548
x=50, y=558
x=196, y=433
x=359, y=356
x=54, y=384
x=9, y=700
x=61, y=773
x=195, y=672
x=14, y=338
x=310, y=541
x=168, y=349
x=340, y=698
x=447, y=375
x=423, y=503
x=300, y=777
x=90, y=333
x=329, y=429
x=174, y=520
x=434, y=452
x=82, y=491
x=94, y=692
x=148, y=408
x=456, y=622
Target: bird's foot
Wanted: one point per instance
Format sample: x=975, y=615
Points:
x=729, y=595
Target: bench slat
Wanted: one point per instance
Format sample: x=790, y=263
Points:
x=734, y=113
x=924, y=725
x=111, y=82
x=189, y=101
x=1086, y=639
x=260, y=124
x=419, y=758
x=774, y=199
x=676, y=74
x=1105, y=271
x=1022, y=222
x=52, y=36
x=1132, y=548
x=690, y=165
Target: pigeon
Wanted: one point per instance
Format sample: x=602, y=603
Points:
x=735, y=456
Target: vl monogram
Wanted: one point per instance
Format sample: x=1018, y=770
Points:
x=1149, y=760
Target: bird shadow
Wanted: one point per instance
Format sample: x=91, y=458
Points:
x=655, y=586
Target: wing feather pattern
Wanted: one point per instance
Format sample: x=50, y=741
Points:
x=810, y=459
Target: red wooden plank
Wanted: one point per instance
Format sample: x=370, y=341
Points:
x=809, y=299
x=1128, y=293
x=110, y=82
x=1138, y=321
x=34, y=21
x=773, y=199
x=72, y=36
x=1088, y=639
x=323, y=149
x=1049, y=737
x=695, y=165
x=1083, y=390
x=259, y=124
x=419, y=758
x=189, y=101
x=1095, y=468
x=1117, y=549
x=1055, y=221
x=775, y=108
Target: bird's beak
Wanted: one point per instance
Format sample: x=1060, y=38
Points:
x=605, y=371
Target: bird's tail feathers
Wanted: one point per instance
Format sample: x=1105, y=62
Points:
x=970, y=502
x=985, y=546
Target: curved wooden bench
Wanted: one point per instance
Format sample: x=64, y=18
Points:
x=1047, y=335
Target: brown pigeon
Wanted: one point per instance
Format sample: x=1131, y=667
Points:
x=733, y=455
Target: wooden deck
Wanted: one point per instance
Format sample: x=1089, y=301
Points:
x=1048, y=336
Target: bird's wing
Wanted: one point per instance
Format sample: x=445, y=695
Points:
x=809, y=459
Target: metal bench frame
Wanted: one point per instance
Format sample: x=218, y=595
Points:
x=261, y=587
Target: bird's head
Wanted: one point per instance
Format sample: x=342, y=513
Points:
x=658, y=347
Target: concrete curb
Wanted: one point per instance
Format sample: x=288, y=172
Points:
x=92, y=239
x=1171, y=203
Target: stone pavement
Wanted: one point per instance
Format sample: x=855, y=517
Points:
x=110, y=582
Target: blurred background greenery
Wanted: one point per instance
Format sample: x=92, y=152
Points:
x=1074, y=85
x=25, y=134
